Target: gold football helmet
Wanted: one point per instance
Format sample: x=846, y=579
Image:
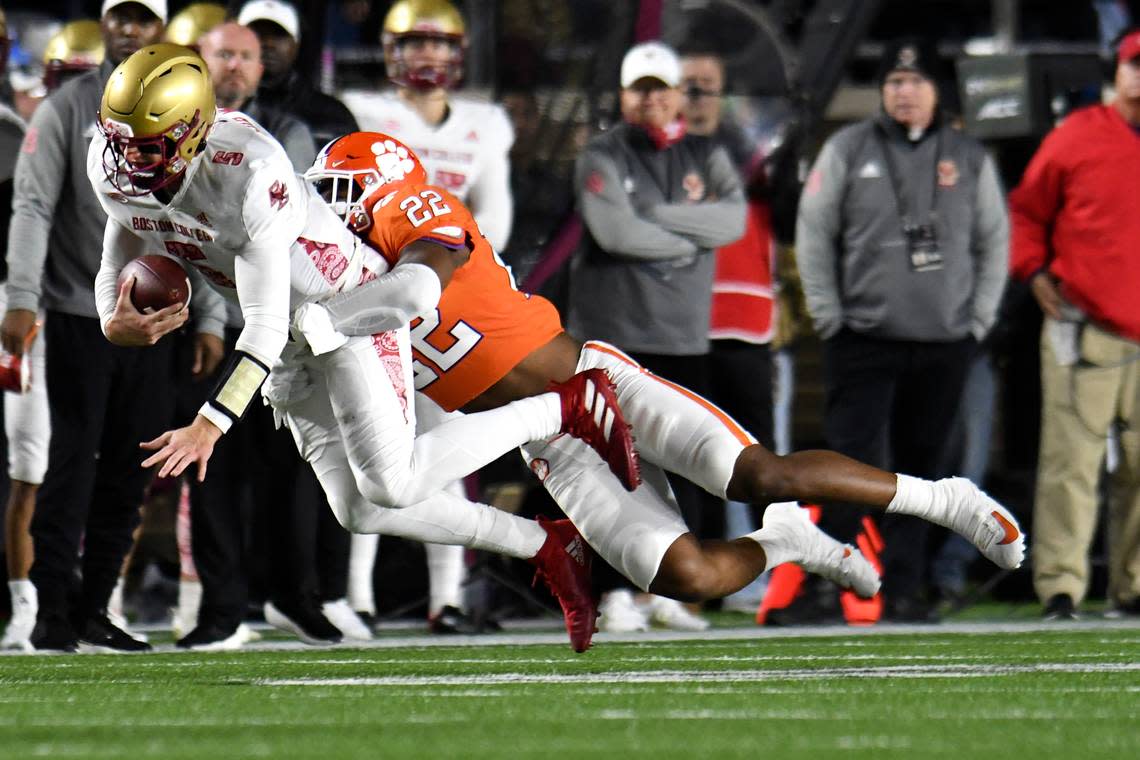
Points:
x=436, y=19
x=75, y=48
x=188, y=25
x=157, y=109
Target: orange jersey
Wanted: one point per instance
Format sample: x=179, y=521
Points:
x=483, y=326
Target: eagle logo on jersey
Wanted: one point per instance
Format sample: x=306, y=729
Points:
x=278, y=195
x=694, y=186
x=393, y=160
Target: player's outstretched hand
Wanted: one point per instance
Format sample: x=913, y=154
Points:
x=130, y=327
x=175, y=450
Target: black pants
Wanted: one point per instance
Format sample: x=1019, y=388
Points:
x=741, y=384
x=260, y=518
x=892, y=404
x=105, y=399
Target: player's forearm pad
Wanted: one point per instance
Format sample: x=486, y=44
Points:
x=239, y=382
x=386, y=303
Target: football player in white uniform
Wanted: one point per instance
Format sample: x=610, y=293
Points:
x=217, y=192
x=463, y=145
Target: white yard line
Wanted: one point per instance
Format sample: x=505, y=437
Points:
x=724, y=676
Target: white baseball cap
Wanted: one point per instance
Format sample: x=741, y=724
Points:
x=651, y=59
x=157, y=7
x=282, y=14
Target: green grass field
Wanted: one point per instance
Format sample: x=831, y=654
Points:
x=1012, y=691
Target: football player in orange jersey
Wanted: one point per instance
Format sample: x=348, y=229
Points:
x=486, y=343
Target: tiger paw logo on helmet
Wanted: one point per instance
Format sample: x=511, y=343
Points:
x=393, y=160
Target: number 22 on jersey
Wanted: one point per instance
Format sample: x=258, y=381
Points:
x=420, y=212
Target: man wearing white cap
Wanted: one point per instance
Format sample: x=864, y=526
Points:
x=283, y=87
x=104, y=398
x=656, y=204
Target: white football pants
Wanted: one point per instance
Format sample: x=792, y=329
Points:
x=356, y=428
x=675, y=430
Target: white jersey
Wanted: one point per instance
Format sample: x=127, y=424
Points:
x=466, y=154
x=239, y=214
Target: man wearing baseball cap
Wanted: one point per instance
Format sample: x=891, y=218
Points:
x=1075, y=233
x=902, y=246
x=104, y=398
x=656, y=203
x=283, y=87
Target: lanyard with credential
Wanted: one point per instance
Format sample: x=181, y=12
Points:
x=896, y=179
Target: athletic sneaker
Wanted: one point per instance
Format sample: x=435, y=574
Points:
x=987, y=524
x=672, y=614
x=819, y=553
x=590, y=413
x=341, y=614
x=304, y=620
x=1060, y=607
x=213, y=637
x=452, y=621
x=18, y=634
x=620, y=613
x=99, y=634
x=54, y=633
x=564, y=563
x=120, y=622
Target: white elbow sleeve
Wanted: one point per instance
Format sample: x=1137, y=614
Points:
x=386, y=303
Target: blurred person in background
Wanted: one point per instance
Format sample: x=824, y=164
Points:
x=105, y=398
x=1075, y=229
x=656, y=202
x=463, y=145
x=284, y=87
x=743, y=307
x=902, y=246
x=25, y=415
x=188, y=25
x=233, y=53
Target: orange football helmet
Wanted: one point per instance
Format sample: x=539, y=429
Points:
x=358, y=170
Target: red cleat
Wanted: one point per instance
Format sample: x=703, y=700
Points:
x=563, y=564
x=590, y=413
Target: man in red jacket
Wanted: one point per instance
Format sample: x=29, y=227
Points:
x=1075, y=239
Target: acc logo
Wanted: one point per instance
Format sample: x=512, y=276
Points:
x=540, y=468
x=947, y=173
x=694, y=186
x=393, y=160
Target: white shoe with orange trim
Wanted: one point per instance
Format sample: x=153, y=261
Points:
x=958, y=504
x=789, y=535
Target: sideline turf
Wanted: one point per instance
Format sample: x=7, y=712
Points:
x=1038, y=694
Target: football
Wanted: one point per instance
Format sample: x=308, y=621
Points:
x=160, y=281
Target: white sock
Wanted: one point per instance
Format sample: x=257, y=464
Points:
x=24, y=599
x=918, y=497
x=361, y=560
x=446, y=571
x=779, y=545
x=189, y=600
x=115, y=603
x=777, y=548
